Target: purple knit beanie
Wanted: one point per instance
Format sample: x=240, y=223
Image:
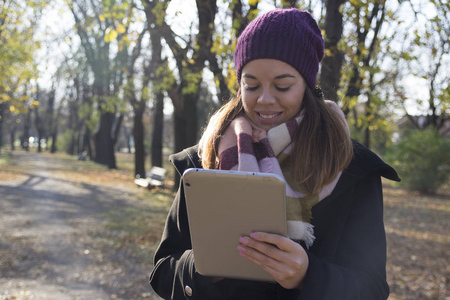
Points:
x=289, y=35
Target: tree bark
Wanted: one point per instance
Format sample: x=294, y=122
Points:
x=104, y=142
x=138, y=134
x=12, y=136
x=158, y=130
x=2, y=107
x=330, y=74
x=158, y=112
x=25, y=142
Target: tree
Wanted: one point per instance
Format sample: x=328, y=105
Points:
x=330, y=74
x=98, y=23
x=40, y=121
x=424, y=57
x=158, y=107
x=53, y=126
x=221, y=55
x=364, y=60
x=190, y=54
x=190, y=60
x=18, y=21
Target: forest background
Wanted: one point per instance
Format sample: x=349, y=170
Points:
x=95, y=77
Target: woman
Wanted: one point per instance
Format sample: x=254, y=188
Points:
x=278, y=123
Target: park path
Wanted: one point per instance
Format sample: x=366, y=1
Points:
x=52, y=244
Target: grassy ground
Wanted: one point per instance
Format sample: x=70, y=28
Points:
x=417, y=226
x=418, y=237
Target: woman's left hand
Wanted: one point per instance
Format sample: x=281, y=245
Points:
x=281, y=257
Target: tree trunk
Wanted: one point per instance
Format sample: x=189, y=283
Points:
x=40, y=136
x=26, y=132
x=139, y=149
x=156, y=156
x=367, y=129
x=158, y=130
x=104, y=143
x=87, y=143
x=72, y=150
x=185, y=123
x=185, y=127
x=2, y=106
x=39, y=126
x=12, y=136
x=330, y=74
x=53, y=149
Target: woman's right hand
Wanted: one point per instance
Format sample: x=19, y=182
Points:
x=279, y=256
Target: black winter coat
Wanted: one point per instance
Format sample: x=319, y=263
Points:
x=346, y=262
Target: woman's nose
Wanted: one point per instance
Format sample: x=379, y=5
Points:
x=266, y=97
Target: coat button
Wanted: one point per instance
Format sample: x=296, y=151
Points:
x=188, y=290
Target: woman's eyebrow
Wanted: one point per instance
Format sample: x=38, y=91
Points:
x=246, y=75
x=287, y=75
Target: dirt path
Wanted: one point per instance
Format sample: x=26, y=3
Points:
x=52, y=239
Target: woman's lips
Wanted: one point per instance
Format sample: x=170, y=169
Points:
x=268, y=116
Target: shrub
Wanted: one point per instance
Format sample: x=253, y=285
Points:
x=422, y=160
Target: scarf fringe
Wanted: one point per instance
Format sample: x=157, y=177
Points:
x=299, y=230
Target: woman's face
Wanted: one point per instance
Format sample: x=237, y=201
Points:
x=272, y=92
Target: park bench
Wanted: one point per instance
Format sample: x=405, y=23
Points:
x=155, y=178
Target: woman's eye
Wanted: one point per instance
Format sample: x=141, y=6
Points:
x=283, y=89
x=251, y=88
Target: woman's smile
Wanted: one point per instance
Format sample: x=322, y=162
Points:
x=268, y=116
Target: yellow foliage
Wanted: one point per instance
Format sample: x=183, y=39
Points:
x=110, y=35
x=5, y=97
x=120, y=28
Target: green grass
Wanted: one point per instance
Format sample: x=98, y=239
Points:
x=4, y=158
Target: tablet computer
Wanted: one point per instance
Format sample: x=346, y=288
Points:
x=225, y=205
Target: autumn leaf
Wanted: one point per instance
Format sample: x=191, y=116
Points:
x=110, y=35
x=120, y=28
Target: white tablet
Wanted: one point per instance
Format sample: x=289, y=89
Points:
x=225, y=205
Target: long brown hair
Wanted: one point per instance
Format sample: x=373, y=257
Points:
x=322, y=143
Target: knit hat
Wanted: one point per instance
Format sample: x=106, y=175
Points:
x=289, y=35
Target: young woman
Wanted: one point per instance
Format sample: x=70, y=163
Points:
x=278, y=123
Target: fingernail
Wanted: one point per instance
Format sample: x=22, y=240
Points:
x=243, y=240
x=241, y=248
x=254, y=235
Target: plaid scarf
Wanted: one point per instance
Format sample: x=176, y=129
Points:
x=244, y=147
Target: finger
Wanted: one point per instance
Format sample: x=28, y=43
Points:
x=287, y=275
x=269, y=264
x=286, y=268
x=261, y=250
x=283, y=243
